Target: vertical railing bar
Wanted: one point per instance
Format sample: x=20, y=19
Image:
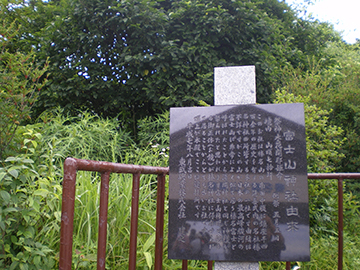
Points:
x=67, y=214
x=210, y=263
x=341, y=223
x=184, y=265
x=134, y=221
x=159, y=238
x=103, y=212
x=288, y=265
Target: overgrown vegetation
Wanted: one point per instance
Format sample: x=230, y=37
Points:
x=31, y=194
x=94, y=81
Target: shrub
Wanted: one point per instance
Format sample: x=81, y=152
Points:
x=29, y=215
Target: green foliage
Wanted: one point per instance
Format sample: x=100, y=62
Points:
x=21, y=80
x=30, y=204
x=95, y=48
x=323, y=142
x=89, y=137
x=333, y=84
x=86, y=220
x=324, y=255
x=155, y=130
x=138, y=58
x=83, y=136
x=344, y=99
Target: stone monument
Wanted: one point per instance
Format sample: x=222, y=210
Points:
x=238, y=179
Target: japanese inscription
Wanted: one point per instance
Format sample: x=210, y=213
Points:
x=238, y=183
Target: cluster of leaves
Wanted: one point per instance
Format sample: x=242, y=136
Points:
x=29, y=209
x=85, y=135
x=20, y=83
x=323, y=139
x=333, y=84
x=155, y=130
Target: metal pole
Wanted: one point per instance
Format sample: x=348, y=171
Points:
x=184, y=265
x=340, y=224
x=134, y=221
x=67, y=214
x=71, y=166
x=103, y=212
x=159, y=239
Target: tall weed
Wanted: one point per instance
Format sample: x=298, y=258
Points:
x=155, y=130
x=86, y=136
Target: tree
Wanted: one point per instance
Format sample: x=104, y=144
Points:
x=137, y=58
x=101, y=53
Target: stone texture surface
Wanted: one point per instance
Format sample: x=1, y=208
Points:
x=234, y=85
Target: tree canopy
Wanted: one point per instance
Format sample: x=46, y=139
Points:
x=137, y=58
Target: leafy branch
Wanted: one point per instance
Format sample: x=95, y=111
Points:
x=21, y=80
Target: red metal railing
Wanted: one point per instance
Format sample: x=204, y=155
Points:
x=72, y=165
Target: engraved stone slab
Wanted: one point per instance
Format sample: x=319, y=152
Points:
x=234, y=85
x=238, y=183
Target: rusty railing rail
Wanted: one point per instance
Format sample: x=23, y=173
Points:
x=72, y=165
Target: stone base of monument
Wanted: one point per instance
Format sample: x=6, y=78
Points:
x=236, y=266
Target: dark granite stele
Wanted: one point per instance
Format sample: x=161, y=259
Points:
x=238, y=183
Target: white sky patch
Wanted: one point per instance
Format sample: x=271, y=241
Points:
x=344, y=15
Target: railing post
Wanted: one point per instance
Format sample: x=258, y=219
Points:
x=210, y=263
x=159, y=239
x=67, y=214
x=184, y=265
x=103, y=211
x=134, y=221
x=340, y=224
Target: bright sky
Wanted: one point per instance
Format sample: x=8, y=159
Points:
x=343, y=14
